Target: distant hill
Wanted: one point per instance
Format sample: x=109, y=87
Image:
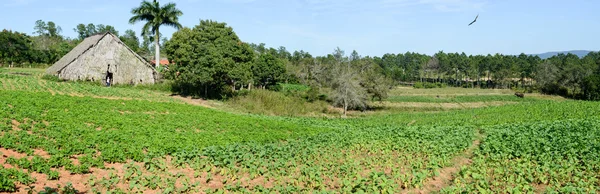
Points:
x=580, y=53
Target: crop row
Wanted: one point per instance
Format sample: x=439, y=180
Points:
x=12, y=82
x=557, y=156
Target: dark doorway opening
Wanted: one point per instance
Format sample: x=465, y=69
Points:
x=109, y=77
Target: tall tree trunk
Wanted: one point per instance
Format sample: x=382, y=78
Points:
x=232, y=85
x=345, y=107
x=478, y=81
x=156, y=49
x=205, y=91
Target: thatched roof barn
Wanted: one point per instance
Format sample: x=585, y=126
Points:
x=104, y=56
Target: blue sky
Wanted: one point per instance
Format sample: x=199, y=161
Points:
x=372, y=27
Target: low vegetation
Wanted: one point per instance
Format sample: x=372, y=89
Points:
x=265, y=122
x=149, y=143
x=267, y=102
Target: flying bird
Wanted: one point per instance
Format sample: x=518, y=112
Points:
x=474, y=20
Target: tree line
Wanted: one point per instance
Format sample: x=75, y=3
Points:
x=47, y=45
x=212, y=61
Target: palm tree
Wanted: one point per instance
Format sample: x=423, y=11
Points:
x=155, y=16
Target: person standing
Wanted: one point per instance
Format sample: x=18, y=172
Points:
x=107, y=81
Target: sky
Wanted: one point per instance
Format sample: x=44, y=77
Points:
x=371, y=27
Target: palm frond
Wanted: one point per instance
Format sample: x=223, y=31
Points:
x=147, y=28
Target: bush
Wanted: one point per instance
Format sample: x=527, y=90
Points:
x=418, y=85
x=441, y=85
x=51, y=78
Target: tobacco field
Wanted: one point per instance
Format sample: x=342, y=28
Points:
x=68, y=137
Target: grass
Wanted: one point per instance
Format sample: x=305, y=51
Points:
x=267, y=102
x=17, y=79
x=460, y=99
x=136, y=139
x=448, y=91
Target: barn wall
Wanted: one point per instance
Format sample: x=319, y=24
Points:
x=93, y=65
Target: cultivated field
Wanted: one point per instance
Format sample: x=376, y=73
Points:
x=91, y=138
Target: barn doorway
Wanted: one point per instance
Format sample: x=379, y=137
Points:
x=109, y=78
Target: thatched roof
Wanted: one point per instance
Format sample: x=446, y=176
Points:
x=85, y=46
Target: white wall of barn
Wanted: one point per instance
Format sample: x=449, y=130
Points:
x=94, y=64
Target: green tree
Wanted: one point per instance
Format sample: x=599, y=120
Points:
x=210, y=58
x=155, y=16
x=268, y=70
x=373, y=80
x=53, y=29
x=90, y=30
x=131, y=40
x=101, y=28
x=81, y=31
x=15, y=47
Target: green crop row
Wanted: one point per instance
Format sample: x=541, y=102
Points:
x=558, y=156
x=32, y=83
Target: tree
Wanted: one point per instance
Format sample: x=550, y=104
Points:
x=53, y=30
x=15, y=47
x=40, y=27
x=90, y=30
x=373, y=80
x=210, y=58
x=347, y=91
x=131, y=40
x=101, y=28
x=81, y=31
x=155, y=16
x=268, y=69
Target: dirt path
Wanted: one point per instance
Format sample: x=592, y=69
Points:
x=446, y=175
x=190, y=100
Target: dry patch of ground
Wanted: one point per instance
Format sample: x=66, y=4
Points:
x=193, y=101
x=445, y=105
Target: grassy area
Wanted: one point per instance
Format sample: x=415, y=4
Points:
x=128, y=139
x=17, y=79
x=267, y=102
x=448, y=91
x=459, y=99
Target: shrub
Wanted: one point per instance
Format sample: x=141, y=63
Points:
x=418, y=85
x=51, y=78
x=429, y=85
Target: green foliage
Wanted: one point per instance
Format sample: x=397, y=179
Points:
x=525, y=145
x=560, y=155
x=10, y=177
x=267, y=70
x=53, y=78
x=131, y=40
x=156, y=16
x=15, y=47
x=428, y=85
x=210, y=59
x=292, y=88
x=117, y=138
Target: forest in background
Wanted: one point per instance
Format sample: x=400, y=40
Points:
x=563, y=74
